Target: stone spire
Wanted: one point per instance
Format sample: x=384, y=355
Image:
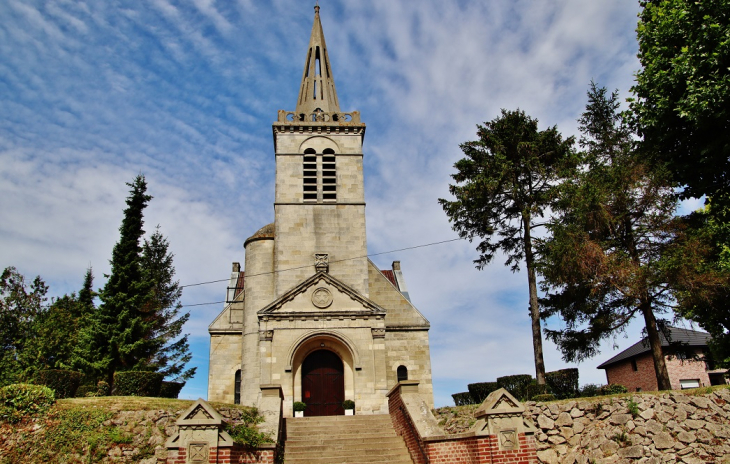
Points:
x=318, y=85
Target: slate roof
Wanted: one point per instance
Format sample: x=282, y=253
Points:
x=239, y=284
x=684, y=336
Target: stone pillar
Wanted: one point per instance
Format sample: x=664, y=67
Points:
x=200, y=435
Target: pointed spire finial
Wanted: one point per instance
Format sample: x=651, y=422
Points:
x=317, y=92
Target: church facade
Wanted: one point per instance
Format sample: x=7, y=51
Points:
x=309, y=311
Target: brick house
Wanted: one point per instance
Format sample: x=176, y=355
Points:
x=685, y=354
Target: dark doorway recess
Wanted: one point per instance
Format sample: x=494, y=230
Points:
x=323, y=384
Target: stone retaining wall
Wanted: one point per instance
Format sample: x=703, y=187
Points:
x=643, y=428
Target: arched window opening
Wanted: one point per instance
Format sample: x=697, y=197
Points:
x=402, y=373
x=237, y=388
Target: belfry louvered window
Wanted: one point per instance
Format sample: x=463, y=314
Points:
x=320, y=176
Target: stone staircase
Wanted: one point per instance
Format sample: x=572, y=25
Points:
x=344, y=440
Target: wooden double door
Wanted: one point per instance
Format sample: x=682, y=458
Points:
x=323, y=384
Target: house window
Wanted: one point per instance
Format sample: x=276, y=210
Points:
x=689, y=383
x=319, y=180
x=237, y=388
x=402, y=373
x=634, y=367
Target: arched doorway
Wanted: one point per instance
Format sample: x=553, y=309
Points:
x=323, y=384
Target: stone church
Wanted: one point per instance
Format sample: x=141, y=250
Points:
x=309, y=311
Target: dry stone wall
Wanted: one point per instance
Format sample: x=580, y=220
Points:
x=670, y=427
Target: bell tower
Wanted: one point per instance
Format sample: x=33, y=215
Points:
x=319, y=201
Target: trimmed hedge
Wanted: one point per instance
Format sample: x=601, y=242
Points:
x=20, y=399
x=563, y=383
x=613, y=389
x=137, y=383
x=516, y=384
x=462, y=399
x=479, y=391
x=534, y=390
x=171, y=389
x=64, y=383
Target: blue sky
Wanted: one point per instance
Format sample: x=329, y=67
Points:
x=93, y=93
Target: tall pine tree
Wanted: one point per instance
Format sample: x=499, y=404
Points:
x=172, y=351
x=116, y=338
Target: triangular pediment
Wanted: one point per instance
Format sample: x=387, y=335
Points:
x=200, y=413
x=499, y=402
x=322, y=294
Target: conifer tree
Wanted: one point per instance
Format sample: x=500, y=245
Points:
x=604, y=263
x=115, y=338
x=172, y=351
x=503, y=187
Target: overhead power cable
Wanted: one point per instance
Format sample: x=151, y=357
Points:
x=308, y=265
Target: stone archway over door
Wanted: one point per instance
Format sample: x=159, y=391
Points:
x=323, y=384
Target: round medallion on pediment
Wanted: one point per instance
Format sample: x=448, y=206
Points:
x=322, y=298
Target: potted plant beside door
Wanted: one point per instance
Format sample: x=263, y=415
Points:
x=349, y=407
x=299, y=408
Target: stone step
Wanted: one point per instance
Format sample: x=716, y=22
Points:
x=344, y=440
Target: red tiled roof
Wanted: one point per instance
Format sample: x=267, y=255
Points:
x=390, y=275
x=239, y=285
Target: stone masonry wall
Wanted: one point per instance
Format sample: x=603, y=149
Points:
x=671, y=427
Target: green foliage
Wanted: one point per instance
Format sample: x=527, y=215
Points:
x=63, y=383
x=632, y=407
x=246, y=432
x=480, y=390
x=544, y=397
x=589, y=390
x=20, y=400
x=171, y=349
x=602, y=265
x=102, y=388
x=299, y=406
x=137, y=383
x=502, y=187
x=682, y=90
x=20, y=305
x=171, y=389
x=462, y=399
x=622, y=438
x=114, y=338
x=348, y=404
x=563, y=383
x=535, y=389
x=516, y=384
x=613, y=389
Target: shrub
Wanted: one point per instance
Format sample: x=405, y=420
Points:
x=633, y=407
x=171, y=389
x=590, y=389
x=20, y=400
x=63, y=383
x=299, y=406
x=85, y=390
x=563, y=383
x=480, y=391
x=247, y=436
x=534, y=390
x=348, y=404
x=516, y=384
x=544, y=397
x=102, y=388
x=462, y=399
x=613, y=389
x=137, y=383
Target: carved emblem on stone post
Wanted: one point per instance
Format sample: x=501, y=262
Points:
x=198, y=452
x=508, y=439
x=322, y=262
x=378, y=333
